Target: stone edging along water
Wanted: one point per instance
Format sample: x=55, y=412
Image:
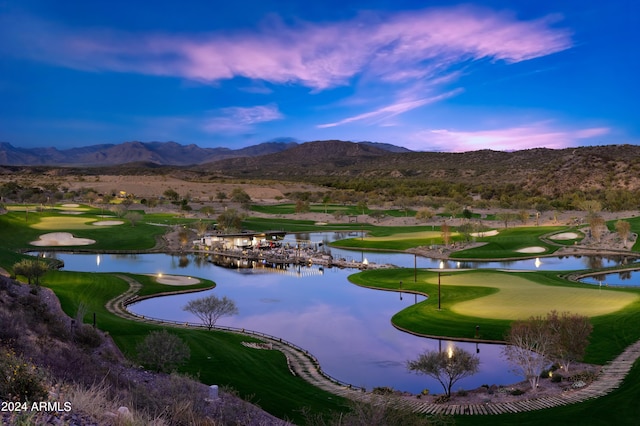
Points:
x=302, y=363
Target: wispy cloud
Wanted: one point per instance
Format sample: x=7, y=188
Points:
x=240, y=119
x=391, y=47
x=392, y=110
x=536, y=135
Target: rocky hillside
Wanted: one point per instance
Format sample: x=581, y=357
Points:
x=545, y=171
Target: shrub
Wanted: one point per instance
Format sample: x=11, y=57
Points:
x=584, y=376
x=87, y=336
x=383, y=390
x=441, y=399
x=163, y=351
x=176, y=398
x=462, y=392
x=556, y=378
x=21, y=380
x=516, y=392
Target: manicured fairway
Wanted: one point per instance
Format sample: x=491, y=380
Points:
x=407, y=236
x=520, y=298
x=59, y=223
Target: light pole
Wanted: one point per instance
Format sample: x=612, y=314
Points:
x=439, y=290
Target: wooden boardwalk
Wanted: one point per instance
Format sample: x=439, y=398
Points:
x=304, y=365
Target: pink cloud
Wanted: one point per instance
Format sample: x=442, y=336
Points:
x=393, y=47
x=536, y=135
x=392, y=110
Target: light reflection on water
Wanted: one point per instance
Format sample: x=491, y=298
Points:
x=346, y=327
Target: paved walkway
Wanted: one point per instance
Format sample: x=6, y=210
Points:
x=304, y=365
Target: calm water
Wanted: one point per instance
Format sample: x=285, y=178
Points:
x=618, y=279
x=346, y=327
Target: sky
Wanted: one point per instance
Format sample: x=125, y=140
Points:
x=425, y=75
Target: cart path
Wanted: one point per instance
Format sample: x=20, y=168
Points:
x=303, y=364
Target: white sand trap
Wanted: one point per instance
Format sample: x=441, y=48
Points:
x=491, y=233
x=536, y=249
x=70, y=206
x=108, y=223
x=176, y=280
x=565, y=236
x=70, y=212
x=61, y=239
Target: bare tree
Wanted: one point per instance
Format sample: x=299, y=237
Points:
x=523, y=215
x=529, y=348
x=119, y=210
x=446, y=367
x=163, y=351
x=506, y=217
x=571, y=332
x=133, y=217
x=201, y=228
x=230, y=220
x=424, y=215
x=623, y=228
x=445, y=231
x=597, y=226
x=209, y=309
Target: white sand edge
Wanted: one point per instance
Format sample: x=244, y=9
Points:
x=61, y=239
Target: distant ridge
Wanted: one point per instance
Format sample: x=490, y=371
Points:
x=160, y=153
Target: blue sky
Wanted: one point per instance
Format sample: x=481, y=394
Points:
x=427, y=75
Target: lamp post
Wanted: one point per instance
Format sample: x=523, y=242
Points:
x=439, y=290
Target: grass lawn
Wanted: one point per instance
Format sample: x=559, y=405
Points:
x=57, y=223
x=121, y=237
x=617, y=408
x=216, y=357
x=506, y=243
x=519, y=297
x=491, y=299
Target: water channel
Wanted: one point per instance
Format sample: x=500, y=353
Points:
x=346, y=327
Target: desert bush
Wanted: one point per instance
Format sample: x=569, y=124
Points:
x=383, y=390
x=87, y=336
x=556, y=378
x=384, y=413
x=176, y=398
x=584, y=376
x=441, y=399
x=20, y=379
x=162, y=351
x=516, y=392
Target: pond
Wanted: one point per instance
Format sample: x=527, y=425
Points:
x=617, y=279
x=346, y=327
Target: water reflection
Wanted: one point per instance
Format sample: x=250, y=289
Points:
x=346, y=327
x=617, y=279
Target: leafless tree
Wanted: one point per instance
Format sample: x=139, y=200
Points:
x=623, y=228
x=445, y=231
x=597, y=226
x=446, y=367
x=209, y=309
x=571, y=332
x=133, y=217
x=529, y=348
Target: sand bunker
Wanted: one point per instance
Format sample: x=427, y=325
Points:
x=565, y=236
x=70, y=212
x=176, y=280
x=61, y=239
x=69, y=206
x=532, y=250
x=491, y=233
x=108, y=223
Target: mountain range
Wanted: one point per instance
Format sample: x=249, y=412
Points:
x=158, y=153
